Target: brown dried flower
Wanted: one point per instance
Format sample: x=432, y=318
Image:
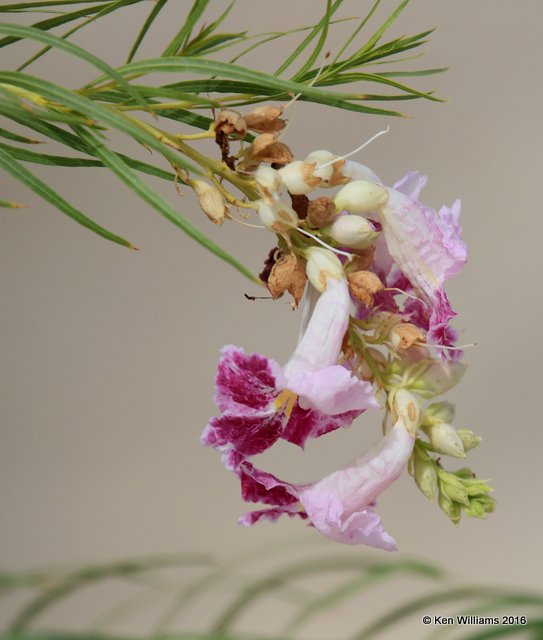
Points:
x=405, y=335
x=266, y=148
x=231, y=123
x=320, y=212
x=288, y=274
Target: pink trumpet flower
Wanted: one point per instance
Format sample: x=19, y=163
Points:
x=341, y=505
x=313, y=394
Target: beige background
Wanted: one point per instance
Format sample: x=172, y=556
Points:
x=108, y=356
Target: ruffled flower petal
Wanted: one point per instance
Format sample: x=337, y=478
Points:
x=332, y=390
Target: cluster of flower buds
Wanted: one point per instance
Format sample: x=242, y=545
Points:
x=372, y=261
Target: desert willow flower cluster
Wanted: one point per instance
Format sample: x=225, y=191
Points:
x=370, y=262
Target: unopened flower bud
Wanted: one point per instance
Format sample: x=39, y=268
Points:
x=450, y=508
x=269, y=183
x=279, y=217
x=320, y=212
x=354, y=232
x=288, y=274
x=298, y=177
x=405, y=335
x=445, y=439
x=425, y=473
x=211, y=200
x=438, y=412
x=265, y=119
x=319, y=158
x=453, y=487
x=361, y=196
x=469, y=439
x=363, y=285
x=231, y=123
x=406, y=406
x=321, y=265
x=266, y=148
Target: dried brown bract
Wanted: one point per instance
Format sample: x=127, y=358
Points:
x=231, y=123
x=265, y=119
x=266, y=148
x=287, y=274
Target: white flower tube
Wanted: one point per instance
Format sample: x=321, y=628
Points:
x=321, y=265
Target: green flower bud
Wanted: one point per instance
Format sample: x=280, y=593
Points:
x=450, y=508
x=438, y=412
x=453, y=488
x=445, y=439
x=425, y=473
x=469, y=439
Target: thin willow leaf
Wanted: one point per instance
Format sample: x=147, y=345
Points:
x=269, y=37
x=99, y=636
x=72, y=582
x=320, y=43
x=6, y=204
x=91, y=109
x=358, y=29
x=266, y=81
x=373, y=576
x=424, y=603
x=183, y=35
x=17, y=6
x=156, y=201
x=157, y=8
x=19, y=172
x=407, y=74
x=386, y=24
x=57, y=21
x=113, y=5
x=508, y=631
x=31, y=33
x=306, y=41
x=279, y=579
x=207, y=30
x=212, y=43
x=10, y=109
x=65, y=161
x=9, y=135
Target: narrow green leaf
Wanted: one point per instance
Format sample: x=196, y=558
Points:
x=212, y=43
x=320, y=43
x=17, y=6
x=277, y=580
x=51, y=23
x=157, y=8
x=424, y=603
x=112, y=5
x=98, y=112
x=183, y=35
x=305, y=42
x=9, y=135
x=156, y=201
x=407, y=74
x=63, y=585
x=502, y=632
x=358, y=29
x=265, y=81
x=11, y=205
x=373, y=575
x=21, y=31
x=19, y=172
x=65, y=161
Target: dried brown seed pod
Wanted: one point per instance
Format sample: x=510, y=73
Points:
x=320, y=212
x=363, y=285
x=405, y=335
